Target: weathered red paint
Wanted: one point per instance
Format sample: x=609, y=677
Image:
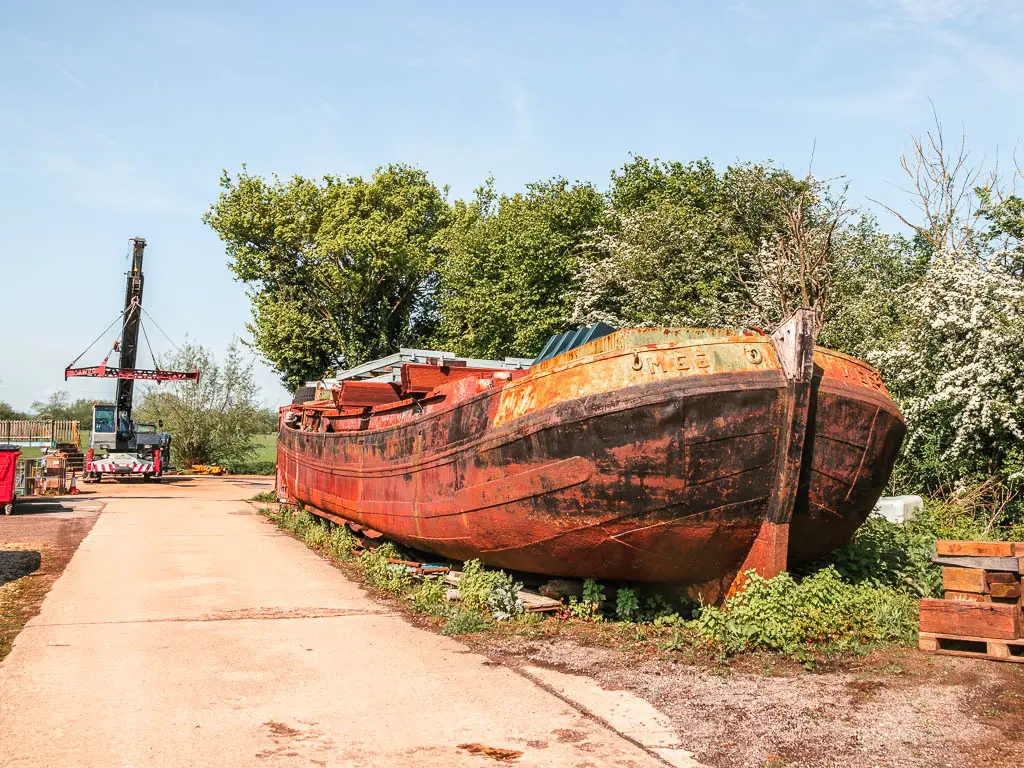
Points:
x=653, y=455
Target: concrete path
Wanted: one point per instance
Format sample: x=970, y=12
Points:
x=188, y=631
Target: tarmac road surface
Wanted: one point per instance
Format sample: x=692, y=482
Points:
x=189, y=631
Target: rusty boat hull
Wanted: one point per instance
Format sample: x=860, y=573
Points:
x=649, y=455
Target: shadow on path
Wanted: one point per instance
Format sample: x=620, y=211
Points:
x=17, y=563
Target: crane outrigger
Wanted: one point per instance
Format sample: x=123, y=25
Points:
x=131, y=448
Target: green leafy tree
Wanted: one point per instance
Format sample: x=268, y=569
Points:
x=1003, y=235
x=675, y=240
x=504, y=286
x=214, y=420
x=7, y=412
x=874, y=272
x=60, y=406
x=339, y=271
x=268, y=420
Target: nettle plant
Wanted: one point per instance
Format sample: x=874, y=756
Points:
x=957, y=371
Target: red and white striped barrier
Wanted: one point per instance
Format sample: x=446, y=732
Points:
x=136, y=467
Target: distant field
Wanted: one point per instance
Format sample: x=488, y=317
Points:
x=266, y=448
x=35, y=451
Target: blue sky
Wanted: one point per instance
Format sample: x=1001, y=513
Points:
x=116, y=120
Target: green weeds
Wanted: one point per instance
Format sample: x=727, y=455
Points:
x=865, y=594
x=465, y=621
x=589, y=607
x=431, y=598
x=790, y=616
x=476, y=585
x=627, y=605
x=389, y=578
x=341, y=543
x=503, y=601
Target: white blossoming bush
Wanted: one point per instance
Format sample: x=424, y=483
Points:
x=957, y=370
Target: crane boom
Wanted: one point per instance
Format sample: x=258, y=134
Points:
x=130, y=328
x=127, y=345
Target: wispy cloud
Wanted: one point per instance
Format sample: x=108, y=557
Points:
x=942, y=11
x=994, y=63
x=42, y=52
x=970, y=34
x=999, y=14
x=885, y=99
x=115, y=185
x=68, y=75
x=934, y=45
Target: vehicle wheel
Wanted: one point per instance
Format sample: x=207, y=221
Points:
x=8, y=508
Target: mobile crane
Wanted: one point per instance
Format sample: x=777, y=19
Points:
x=132, y=448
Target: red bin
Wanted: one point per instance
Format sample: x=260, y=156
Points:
x=8, y=463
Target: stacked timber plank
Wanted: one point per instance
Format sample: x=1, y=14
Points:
x=980, y=615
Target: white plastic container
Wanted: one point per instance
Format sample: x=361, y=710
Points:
x=899, y=509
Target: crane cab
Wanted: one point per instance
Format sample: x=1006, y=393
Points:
x=111, y=430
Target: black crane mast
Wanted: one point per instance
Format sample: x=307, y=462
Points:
x=130, y=329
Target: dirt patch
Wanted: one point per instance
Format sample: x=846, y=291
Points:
x=36, y=544
x=495, y=753
x=893, y=708
x=280, y=729
x=568, y=736
x=306, y=740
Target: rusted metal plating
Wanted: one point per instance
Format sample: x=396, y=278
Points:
x=659, y=455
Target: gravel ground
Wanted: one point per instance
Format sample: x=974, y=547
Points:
x=890, y=709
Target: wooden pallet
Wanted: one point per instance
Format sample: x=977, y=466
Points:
x=972, y=647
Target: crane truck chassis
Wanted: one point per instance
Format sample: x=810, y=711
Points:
x=147, y=455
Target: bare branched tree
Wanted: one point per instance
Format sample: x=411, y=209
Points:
x=943, y=183
x=796, y=268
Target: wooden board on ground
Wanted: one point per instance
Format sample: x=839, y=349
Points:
x=964, y=580
x=535, y=603
x=1008, y=564
x=976, y=548
x=998, y=621
x=971, y=647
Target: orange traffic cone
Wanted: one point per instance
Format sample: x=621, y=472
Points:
x=74, y=486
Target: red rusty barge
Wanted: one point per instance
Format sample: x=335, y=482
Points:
x=652, y=455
